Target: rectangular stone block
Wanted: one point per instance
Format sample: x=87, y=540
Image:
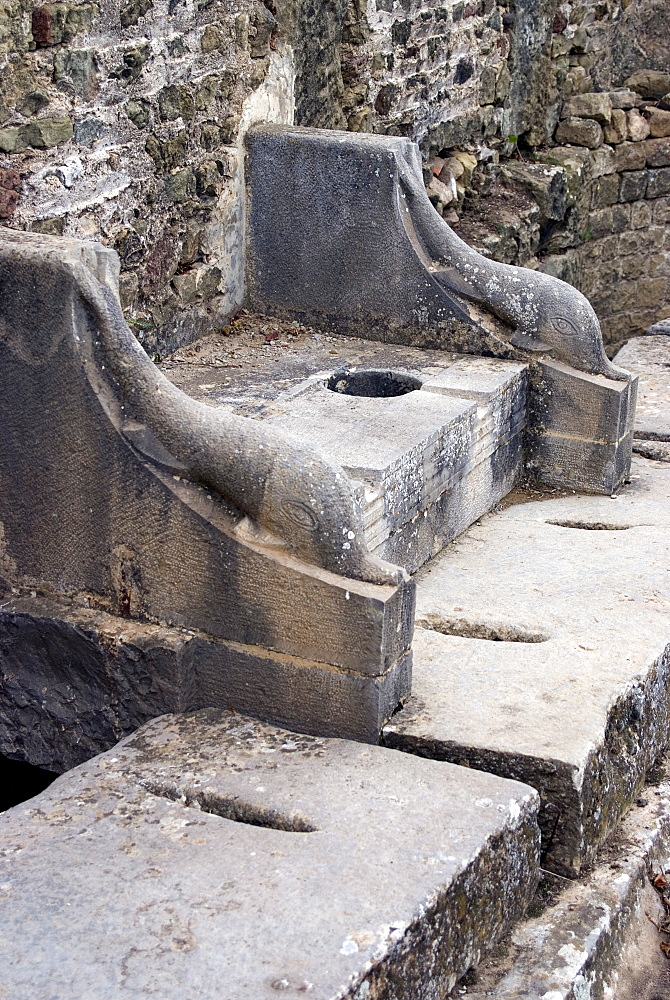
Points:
x=657, y=152
x=590, y=445
x=630, y=156
x=633, y=185
x=211, y=855
x=120, y=524
x=659, y=183
x=106, y=675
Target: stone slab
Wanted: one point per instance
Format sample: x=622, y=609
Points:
x=210, y=855
x=426, y=463
x=597, y=939
x=573, y=697
x=649, y=358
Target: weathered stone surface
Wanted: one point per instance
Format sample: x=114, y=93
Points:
x=425, y=469
x=657, y=152
x=580, y=428
x=633, y=185
x=650, y=83
x=105, y=675
x=659, y=183
x=638, y=126
x=574, y=699
x=617, y=131
x=649, y=358
x=624, y=99
x=600, y=936
x=354, y=262
x=580, y=132
x=122, y=518
x=595, y=106
x=211, y=848
x=659, y=123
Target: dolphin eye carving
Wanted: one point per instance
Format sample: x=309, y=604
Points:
x=565, y=326
x=300, y=514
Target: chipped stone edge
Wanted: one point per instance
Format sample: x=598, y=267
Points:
x=572, y=951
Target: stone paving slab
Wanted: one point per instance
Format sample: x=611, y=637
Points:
x=649, y=357
x=213, y=856
x=573, y=696
x=597, y=939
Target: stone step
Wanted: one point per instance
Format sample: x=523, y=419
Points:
x=573, y=697
x=598, y=936
x=649, y=357
x=211, y=855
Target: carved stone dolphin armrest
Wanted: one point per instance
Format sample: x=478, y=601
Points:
x=119, y=491
x=341, y=234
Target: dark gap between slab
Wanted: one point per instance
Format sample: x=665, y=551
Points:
x=233, y=808
x=20, y=781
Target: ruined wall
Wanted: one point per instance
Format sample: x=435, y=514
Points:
x=123, y=121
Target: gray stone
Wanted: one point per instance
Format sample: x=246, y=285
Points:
x=650, y=83
x=638, y=126
x=599, y=937
x=659, y=183
x=430, y=461
x=595, y=106
x=659, y=123
x=355, y=262
x=106, y=675
x=580, y=428
x=617, y=131
x=212, y=853
x=633, y=185
x=624, y=99
x=630, y=156
x=580, y=132
x=157, y=508
x=657, y=152
x=574, y=699
x=649, y=358
x=88, y=131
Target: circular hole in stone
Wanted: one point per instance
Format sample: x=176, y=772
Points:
x=373, y=383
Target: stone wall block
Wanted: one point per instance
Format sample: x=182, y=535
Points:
x=657, y=152
x=606, y=191
x=580, y=448
x=661, y=211
x=617, y=131
x=631, y=156
x=659, y=123
x=638, y=126
x=633, y=185
x=641, y=214
x=580, y=132
x=659, y=182
x=595, y=106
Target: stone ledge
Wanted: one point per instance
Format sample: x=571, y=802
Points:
x=211, y=849
x=597, y=939
x=580, y=716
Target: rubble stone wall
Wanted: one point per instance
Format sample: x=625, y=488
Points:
x=122, y=120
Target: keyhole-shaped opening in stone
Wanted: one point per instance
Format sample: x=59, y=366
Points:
x=373, y=383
